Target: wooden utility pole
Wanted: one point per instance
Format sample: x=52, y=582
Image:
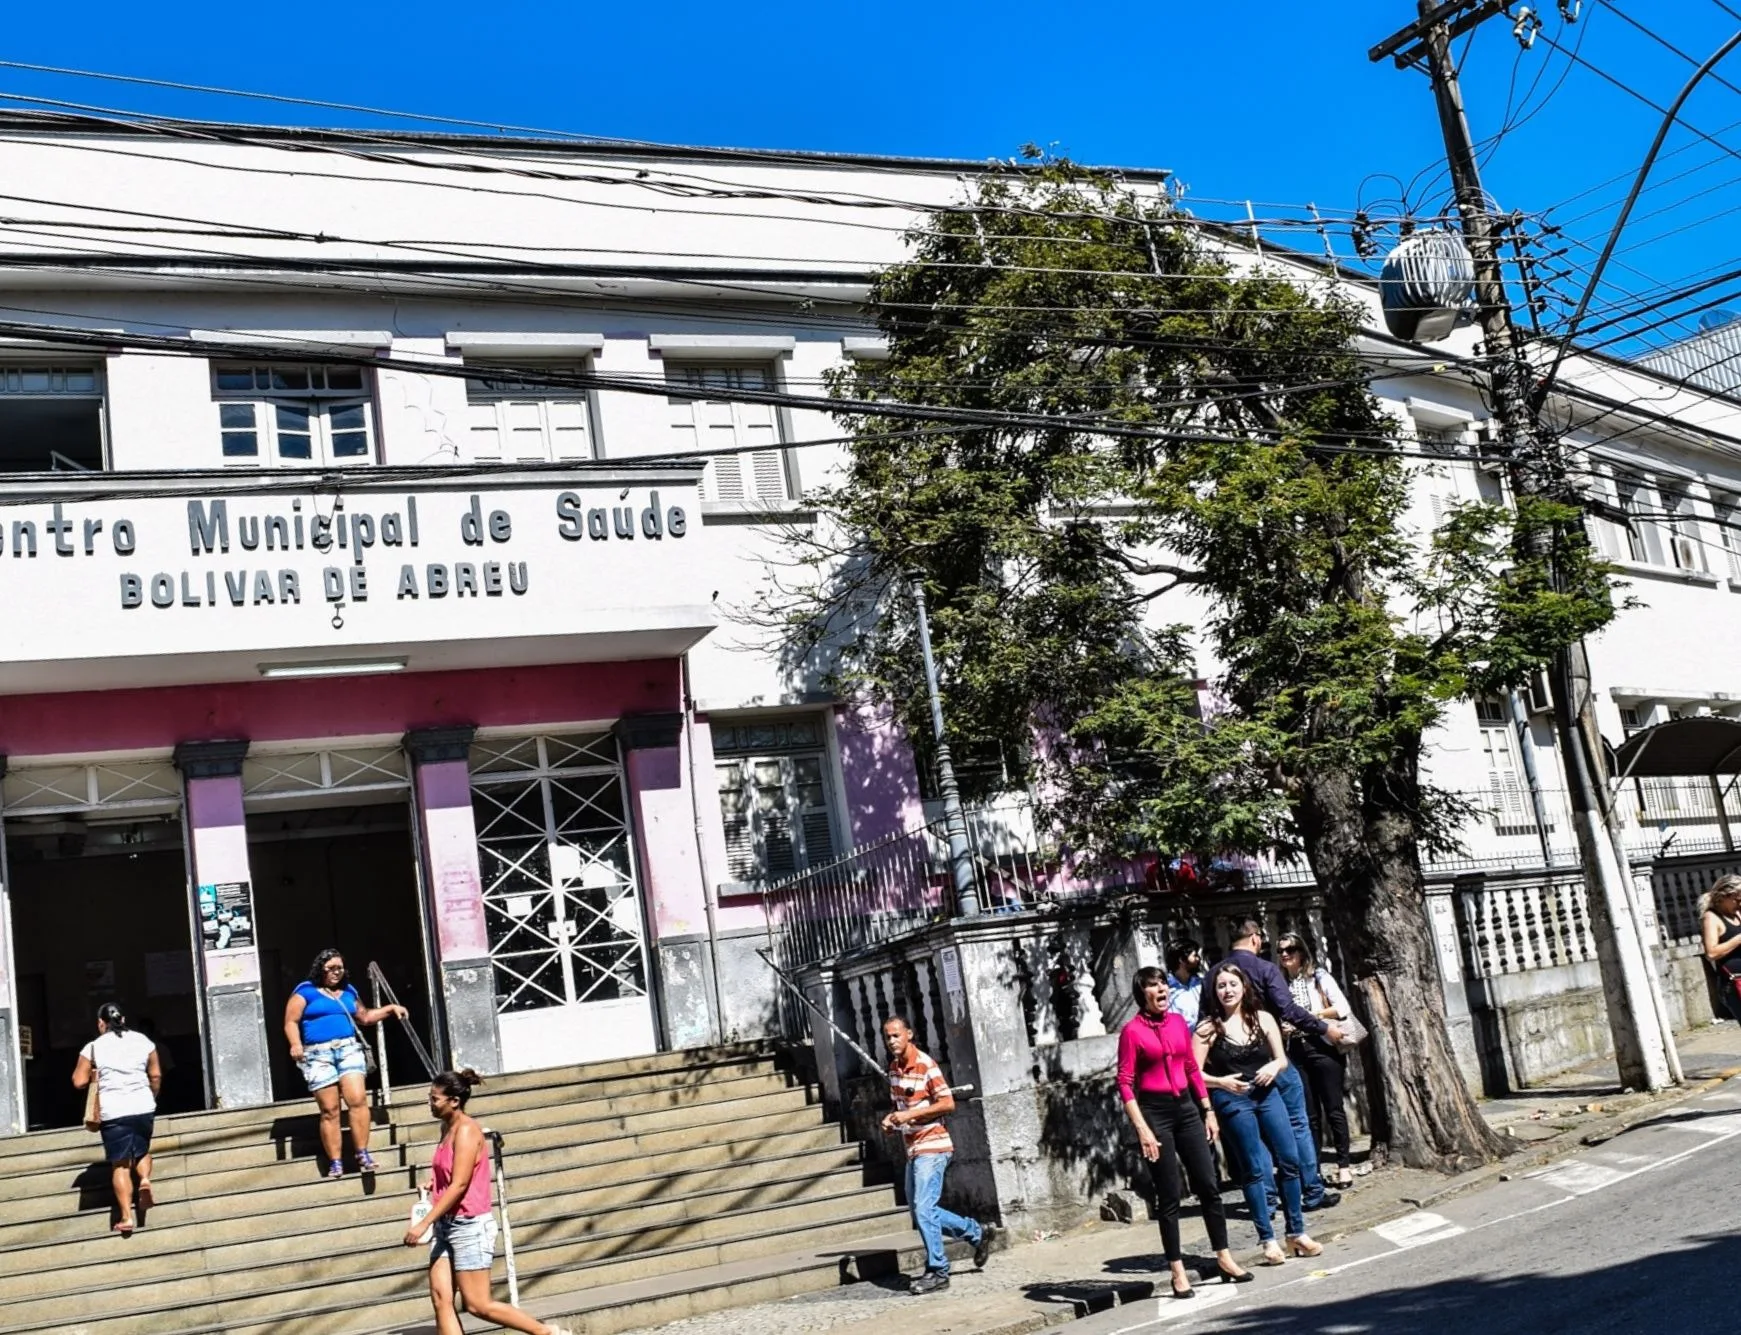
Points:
x=1643, y=1041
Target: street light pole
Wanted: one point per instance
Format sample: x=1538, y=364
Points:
x=954, y=817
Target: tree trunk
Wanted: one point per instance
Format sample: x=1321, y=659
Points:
x=1361, y=845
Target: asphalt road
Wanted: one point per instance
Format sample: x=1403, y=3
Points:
x=1637, y=1234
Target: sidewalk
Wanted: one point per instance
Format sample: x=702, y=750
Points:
x=1049, y=1280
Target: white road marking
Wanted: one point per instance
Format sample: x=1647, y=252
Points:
x=1580, y=1177
x=1414, y=1230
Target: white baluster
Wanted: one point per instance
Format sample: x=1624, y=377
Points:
x=934, y=1043
x=1039, y=963
x=1089, y=1021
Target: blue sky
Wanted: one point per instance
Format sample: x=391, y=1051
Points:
x=1268, y=101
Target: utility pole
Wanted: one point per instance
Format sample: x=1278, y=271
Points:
x=1643, y=1041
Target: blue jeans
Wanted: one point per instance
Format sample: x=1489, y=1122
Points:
x=924, y=1190
x=1256, y=1127
x=1293, y=1092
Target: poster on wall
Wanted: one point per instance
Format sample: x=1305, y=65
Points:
x=226, y=916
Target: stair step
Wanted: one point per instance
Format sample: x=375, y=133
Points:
x=259, y=1216
x=359, y=1283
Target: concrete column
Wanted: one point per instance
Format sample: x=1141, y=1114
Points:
x=672, y=888
x=12, y=1112
x=233, y=1009
x=448, y=838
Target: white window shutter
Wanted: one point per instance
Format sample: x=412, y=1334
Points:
x=740, y=835
x=568, y=429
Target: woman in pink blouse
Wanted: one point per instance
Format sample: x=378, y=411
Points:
x=1167, y=1102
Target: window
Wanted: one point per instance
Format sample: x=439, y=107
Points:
x=1684, y=547
x=756, y=473
x=51, y=418
x=774, y=798
x=292, y=415
x=1513, y=812
x=1729, y=527
x=511, y=419
x=1643, y=536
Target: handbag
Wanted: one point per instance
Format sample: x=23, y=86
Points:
x=1353, y=1032
x=370, y=1065
x=93, y=1109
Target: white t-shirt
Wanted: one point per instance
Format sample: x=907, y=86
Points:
x=123, y=1087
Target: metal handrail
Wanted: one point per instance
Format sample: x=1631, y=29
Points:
x=827, y=1019
x=383, y=993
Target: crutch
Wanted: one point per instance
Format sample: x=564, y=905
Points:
x=495, y=1139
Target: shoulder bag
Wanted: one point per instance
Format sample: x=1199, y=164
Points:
x=372, y=1067
x=93, y=1108
x=1353, y=1032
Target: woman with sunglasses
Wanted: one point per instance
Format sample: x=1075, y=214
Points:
x=322, y=1020
x=1323, y=1067
x=1239, y=1048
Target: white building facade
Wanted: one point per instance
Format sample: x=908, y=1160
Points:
x=359, y=592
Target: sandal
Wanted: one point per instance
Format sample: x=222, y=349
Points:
x=143, y=1195
x=123, y=1225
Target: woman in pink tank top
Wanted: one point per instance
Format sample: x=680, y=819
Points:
x=464, y=1244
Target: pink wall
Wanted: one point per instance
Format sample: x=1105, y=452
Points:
x=665, y=840
x=265, y=711
x=450, y=847
x=876, y=763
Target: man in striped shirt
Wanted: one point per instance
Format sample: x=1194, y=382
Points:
x=922, y=1100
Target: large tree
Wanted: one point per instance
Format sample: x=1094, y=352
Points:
x=1136, y=413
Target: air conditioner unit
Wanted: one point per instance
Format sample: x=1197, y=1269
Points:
x=1687, y=555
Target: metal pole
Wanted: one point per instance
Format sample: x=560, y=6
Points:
x=954, y=818
x=495, y=1139
x=1531, y=776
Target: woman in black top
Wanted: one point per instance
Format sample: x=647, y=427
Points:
x=1239, y=1047
x=1720, y=929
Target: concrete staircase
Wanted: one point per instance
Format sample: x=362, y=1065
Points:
x=639, y=1190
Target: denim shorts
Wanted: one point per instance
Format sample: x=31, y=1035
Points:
x=323, y=1064
x=469, y=1242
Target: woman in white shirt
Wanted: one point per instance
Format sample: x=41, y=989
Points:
x=1323, y=1066
x=124, y=1064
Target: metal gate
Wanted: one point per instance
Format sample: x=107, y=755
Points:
x=567, y=938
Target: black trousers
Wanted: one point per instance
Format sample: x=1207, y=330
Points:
x=1178, y=1126
x=1324, y=1071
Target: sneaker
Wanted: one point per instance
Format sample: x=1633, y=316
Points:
x=982, y=1248
x=932, y=1281
x=1323, y=1202
x=365, y=1162
x=335, y=1170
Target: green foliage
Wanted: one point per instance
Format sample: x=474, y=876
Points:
x=1266, y=490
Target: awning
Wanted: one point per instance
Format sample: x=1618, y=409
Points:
x=1682, y=746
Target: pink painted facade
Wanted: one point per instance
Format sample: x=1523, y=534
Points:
x=450, y=855
x=315, y=709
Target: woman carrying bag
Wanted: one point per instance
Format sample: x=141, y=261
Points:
x=321, y=1021
x=1323, y=1065
x=119, y=1068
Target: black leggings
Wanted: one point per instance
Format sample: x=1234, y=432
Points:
x=1178, y=1126
x=1324, y=1070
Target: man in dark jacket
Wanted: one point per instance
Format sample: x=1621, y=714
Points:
x=1274, y=995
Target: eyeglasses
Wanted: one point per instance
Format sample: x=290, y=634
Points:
x=1290, y=950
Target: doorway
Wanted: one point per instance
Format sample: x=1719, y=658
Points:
x=345, y=876
x=100, y=913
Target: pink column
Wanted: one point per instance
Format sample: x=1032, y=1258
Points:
x=12, y=1118
x=448, y=837
x=662, y=814
x=226, y=945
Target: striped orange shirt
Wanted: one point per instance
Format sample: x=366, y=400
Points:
x=919, y=1084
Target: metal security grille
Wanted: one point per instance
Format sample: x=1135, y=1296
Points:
x=288, y=775
x=554, y=853
x=142, y=786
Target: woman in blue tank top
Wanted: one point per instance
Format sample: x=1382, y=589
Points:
x=322, y=1020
